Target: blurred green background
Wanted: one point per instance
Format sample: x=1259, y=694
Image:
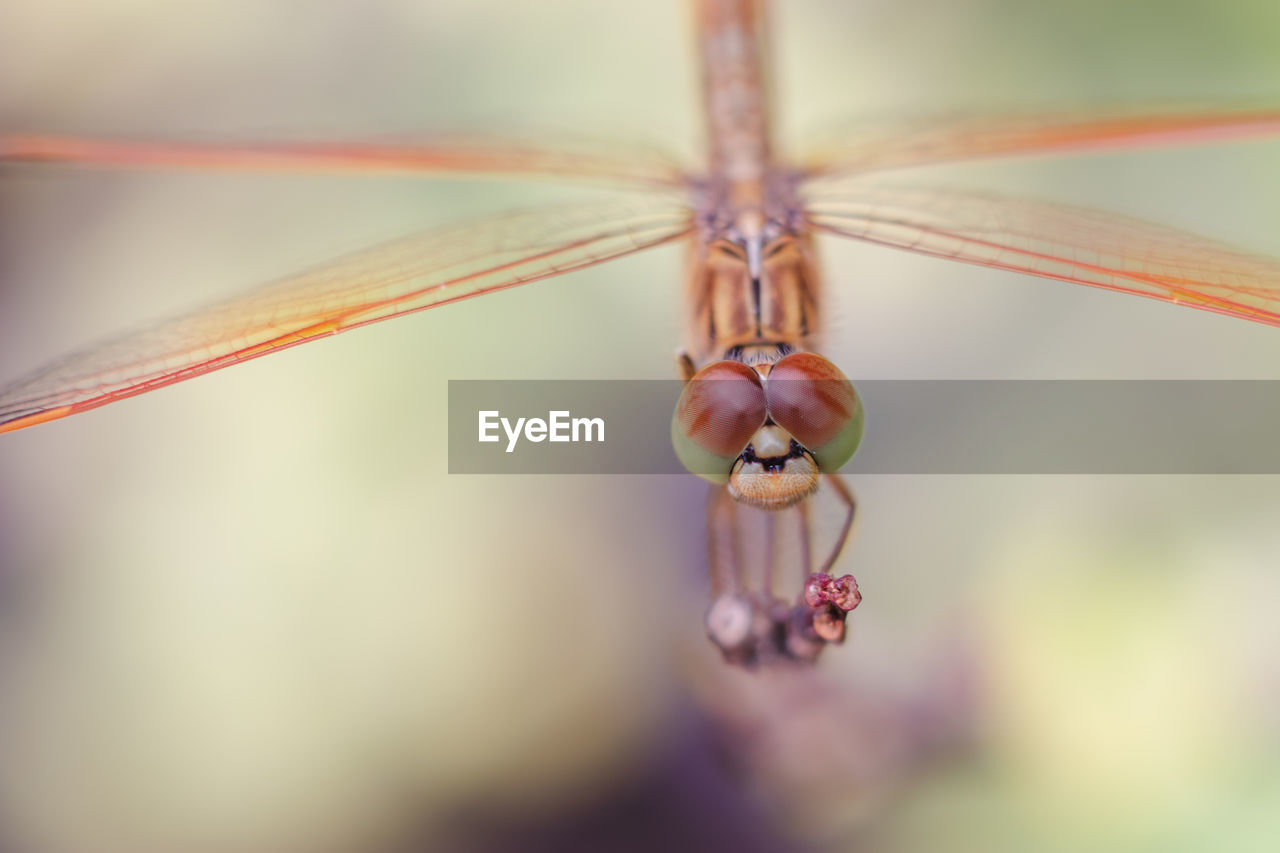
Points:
x=253, y=613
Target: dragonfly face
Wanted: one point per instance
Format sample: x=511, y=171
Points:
x=767, y=422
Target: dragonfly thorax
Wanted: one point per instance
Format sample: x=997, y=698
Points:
x=746, y=291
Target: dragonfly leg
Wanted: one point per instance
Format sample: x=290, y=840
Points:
x=730, y=618
x=819, y=615
x=770, y=556
x=684, y=366
x=806, y=539
x=843, y=491
x=723, y=544
x=735, y=620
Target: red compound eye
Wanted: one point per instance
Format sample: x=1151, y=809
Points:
x=720, y=409
x=811, y=399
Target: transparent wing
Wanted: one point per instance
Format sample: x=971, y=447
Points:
x=860, y=150
x=410, y=274
x=626, y=164
x=1057, y=241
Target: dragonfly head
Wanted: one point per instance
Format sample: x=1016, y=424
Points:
x=767, y=430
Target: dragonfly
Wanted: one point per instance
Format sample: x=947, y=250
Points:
x=763, y=415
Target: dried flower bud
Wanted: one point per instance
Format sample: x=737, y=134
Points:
x=822, y=589
x=843, y=593
x=802, y=642
x=828, y=623
x=815, y=589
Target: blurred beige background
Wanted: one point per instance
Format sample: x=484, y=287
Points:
x=252, y=613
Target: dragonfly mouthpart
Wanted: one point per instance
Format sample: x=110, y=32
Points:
x=774, y=472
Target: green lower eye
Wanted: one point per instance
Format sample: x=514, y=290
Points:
x=697, y=459
x=838, y=450
x=811, y=399
x=720, y=408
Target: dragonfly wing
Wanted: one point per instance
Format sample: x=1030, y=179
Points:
x=611, y=162
x=410, y=274
x=1057, y=241
x=858, y=151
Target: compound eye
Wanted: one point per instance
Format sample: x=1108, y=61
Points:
x=811, y=399
x=720, y=409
